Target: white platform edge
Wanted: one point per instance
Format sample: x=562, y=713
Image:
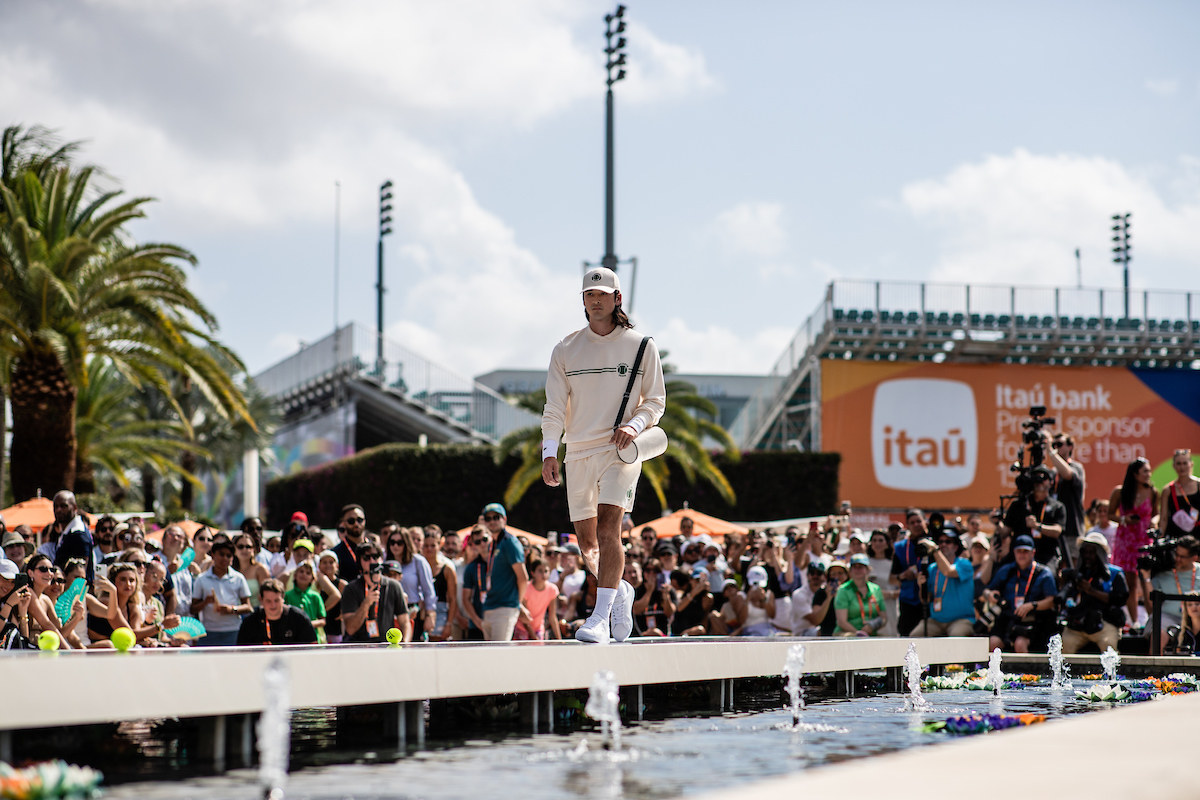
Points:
x=48, y=689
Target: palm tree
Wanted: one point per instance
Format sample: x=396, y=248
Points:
x=111, y=434
x=686, y=427
x=35, y=149
x=526, y=444
x=683, y=422
x=72, y=287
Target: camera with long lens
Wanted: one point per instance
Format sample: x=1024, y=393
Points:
x=1159, y=555
x=1032, y=436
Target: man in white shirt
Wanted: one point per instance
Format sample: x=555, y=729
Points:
x=588, y=375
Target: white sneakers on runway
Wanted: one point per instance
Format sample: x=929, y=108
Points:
x=597, y=630
x=622, y=612
x=593, y=631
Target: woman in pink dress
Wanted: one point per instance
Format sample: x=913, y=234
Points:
x=1134, y=502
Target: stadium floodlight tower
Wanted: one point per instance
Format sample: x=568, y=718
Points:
x=385, y=228
x=1122, y=249
x=614, y=51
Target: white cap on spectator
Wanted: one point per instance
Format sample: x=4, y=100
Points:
x=8, y=569
x=756, y=576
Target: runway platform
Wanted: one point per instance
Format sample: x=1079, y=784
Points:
x=214, y=682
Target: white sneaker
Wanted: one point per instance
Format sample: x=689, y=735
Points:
x=622, y=612
x=595, y=631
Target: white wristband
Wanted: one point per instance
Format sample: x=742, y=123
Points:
x=549, y=449
x=637, y=423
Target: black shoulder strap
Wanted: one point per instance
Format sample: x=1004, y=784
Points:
x=637, y=363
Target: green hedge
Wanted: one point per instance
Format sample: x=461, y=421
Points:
x=450, y=484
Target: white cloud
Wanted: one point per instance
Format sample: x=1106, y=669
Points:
x=659, y=70
x=239, y=117
x=1018, y=219
x=1163, y=87
x=718, y=349
x=751, y=229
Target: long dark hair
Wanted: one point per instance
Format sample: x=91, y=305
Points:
x=619, y=317
x=1129, y=486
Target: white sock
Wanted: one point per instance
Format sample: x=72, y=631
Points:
x=604, y=603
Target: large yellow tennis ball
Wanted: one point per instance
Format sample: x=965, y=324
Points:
x=122, y=639
x=395, y=636
x=48, y=640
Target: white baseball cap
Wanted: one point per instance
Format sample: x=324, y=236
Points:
x=601, y=278
x=756, y=576
x=8, y=569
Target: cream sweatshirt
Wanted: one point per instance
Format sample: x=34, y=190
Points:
x=584, y=385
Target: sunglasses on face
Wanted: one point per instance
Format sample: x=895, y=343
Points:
x=203, y=539
x=478, y=542
x=105, y=529
x=395, y=542
x=43, y=568
x=254, y=527
x=245, y=547
x=490, y=517
x=369, y=559
x=357, y=520
x=59, y=582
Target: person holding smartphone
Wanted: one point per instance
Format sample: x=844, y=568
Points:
x=15, y=597
x=372, y=603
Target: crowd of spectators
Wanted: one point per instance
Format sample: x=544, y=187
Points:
x=1003, y=576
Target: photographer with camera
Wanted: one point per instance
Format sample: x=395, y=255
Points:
x=1025, y=589
x=1068, y=487
x=1094, y=596
x=948, y=588
x=1038, y=516
x=1181, y=580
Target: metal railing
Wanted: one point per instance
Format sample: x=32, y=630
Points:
x=351, y=352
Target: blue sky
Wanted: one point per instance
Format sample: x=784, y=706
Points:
x=763, y=149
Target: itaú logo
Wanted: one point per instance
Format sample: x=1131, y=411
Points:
x=924, y=435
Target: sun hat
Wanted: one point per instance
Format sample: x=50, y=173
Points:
x=327, y=554
x=1097, y=538
x=858, y=559
x=495, y=508
x=12, y=537
x=601, y=278
x=307, y=544
x=982, y=541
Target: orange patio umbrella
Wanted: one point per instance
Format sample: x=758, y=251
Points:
x=668, y=526
x=532, y=537
x=36, y=513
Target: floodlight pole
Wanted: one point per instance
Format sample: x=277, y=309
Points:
x=385, y=228
x=615, y=61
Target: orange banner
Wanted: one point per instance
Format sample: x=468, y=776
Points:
x=945, y=435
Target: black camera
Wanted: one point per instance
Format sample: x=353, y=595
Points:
x=1032, y=436
x=1159, y=555
x=376, y=569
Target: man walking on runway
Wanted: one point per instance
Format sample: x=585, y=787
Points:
x=588, y=375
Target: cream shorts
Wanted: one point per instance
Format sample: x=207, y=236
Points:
x=600, y=478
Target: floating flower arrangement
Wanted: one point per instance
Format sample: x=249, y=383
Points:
x=982, y=723
x=46, y=780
